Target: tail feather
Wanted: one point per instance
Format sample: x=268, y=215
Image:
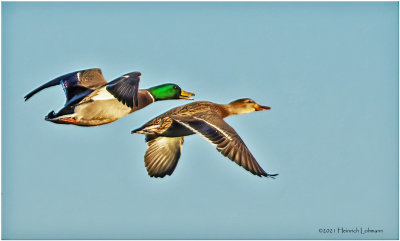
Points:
x=147, y=130
x=136, y=130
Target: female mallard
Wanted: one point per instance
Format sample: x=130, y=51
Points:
x=92, y=101
x=165, y=134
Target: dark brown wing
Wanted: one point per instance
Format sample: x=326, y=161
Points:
x=162, y=155
x=125, y=88
x=211, y=126
x=76, y=85
x=92, y=79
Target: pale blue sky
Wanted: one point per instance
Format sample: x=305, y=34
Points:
x=328, y=70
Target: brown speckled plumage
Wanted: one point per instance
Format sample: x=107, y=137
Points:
x=166, y=132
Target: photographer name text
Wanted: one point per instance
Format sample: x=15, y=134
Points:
x=342, y=230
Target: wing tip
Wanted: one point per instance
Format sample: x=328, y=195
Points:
x=273, y=176
x=135, y=73
x=32, y=93
x=158, y=176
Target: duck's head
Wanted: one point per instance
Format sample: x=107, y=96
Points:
x=169, y=92
x=244, y=106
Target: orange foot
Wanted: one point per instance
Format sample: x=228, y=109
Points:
x=69, y=120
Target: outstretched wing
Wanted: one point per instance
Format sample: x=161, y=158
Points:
x=125, y=88
x=212, y=127
x=162, y=155
x=76, y=85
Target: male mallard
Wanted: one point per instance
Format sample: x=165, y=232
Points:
x=92, y=101
x=165, y=134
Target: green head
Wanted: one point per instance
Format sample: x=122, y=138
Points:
x=169, y=92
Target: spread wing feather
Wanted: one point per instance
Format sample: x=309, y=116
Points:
x=76, y=85
x=228, y=142
x=162, y=155
x=125, y=88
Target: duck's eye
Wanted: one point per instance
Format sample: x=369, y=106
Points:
x=250, y=101
x=175, y=87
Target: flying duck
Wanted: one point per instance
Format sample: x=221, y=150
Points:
x=92, y=101
x=165, y=135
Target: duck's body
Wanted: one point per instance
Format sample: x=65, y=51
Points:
x=98, y=108
x=92, y=101
x=164, y=124
x=109, y=109
x=165, y=135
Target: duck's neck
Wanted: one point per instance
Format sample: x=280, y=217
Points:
x=149, y=96
x=233, y=109
x=226, y=110
x=144, y=99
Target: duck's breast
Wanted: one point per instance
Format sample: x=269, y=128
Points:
x=101, y=111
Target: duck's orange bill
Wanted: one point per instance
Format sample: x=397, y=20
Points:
x=261, y=107
x=186, y=95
